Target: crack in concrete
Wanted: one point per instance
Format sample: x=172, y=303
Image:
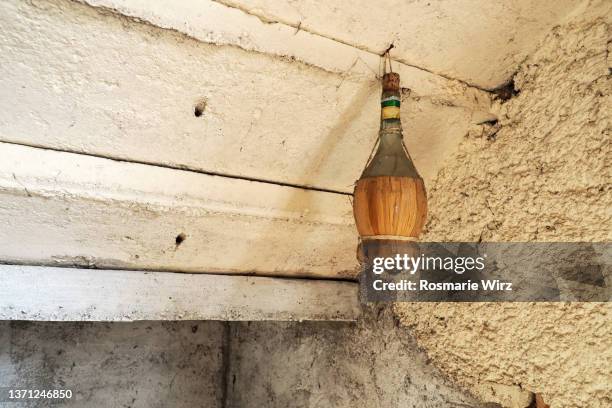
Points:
x=185, y=168
x=80, y=262
x=300, y=27
x=225, y=369
x=131, y=18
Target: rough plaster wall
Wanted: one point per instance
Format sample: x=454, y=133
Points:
x=371, y=363
x=541, y=174
x=129, y=365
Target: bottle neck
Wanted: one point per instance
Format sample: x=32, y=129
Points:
x=391, y=158
x=390, y=109
x=390, y=123
x=390, y=103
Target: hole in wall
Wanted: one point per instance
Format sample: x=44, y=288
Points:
x=491, y=122
x=180, y=238
x=199, y=108
x=506, y=91
x=389, y=48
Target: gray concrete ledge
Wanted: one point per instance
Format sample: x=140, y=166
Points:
x=67, y=294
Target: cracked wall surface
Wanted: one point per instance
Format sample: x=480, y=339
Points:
x=371, y=363
x=479, y=42
x=542, y=173
x=130, y=365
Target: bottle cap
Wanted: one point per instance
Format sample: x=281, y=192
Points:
x=391, y=82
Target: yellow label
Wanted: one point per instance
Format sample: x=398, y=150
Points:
x=391, y=112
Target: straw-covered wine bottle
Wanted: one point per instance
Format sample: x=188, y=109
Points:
x=389, y=198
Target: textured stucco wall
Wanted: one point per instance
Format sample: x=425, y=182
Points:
x=130, y=365
x=542, y=173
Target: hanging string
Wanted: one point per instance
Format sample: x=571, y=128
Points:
x=372, y=153
x=386, y=59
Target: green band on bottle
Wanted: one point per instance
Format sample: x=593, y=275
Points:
x=390, y=107
x=390, y=102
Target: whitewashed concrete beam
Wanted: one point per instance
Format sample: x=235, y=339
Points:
x=480, y=42
x=66, y=294
x=83, y=79
x=60, y=208
x=227, y=24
